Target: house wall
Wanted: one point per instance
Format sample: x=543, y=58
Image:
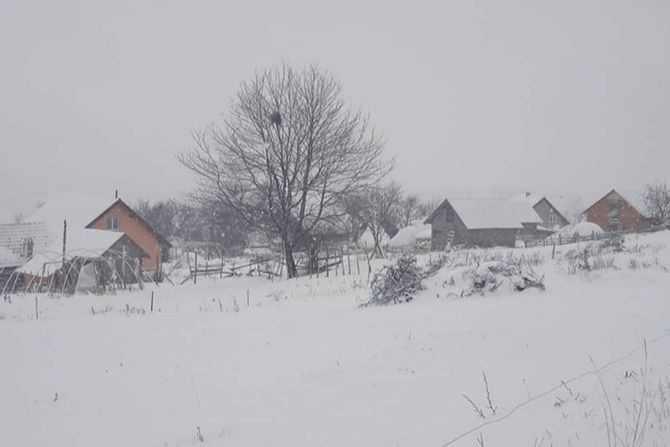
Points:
x=136, y=230
x=545, y=210
x=493, y=237
x=606, y=210
x=441, y=225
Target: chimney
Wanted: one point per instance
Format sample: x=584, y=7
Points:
x=116, y=193
x=527, y=194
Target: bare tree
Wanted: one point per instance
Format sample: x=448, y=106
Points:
x=656, y=198
x=409, y=209
x=428, y=207
x=288, y=149
x=377, y=212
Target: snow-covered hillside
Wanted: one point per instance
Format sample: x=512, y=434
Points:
x=248, y=361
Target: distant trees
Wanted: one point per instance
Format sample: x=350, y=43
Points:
x=194, y=222
x=377, y=209
x=656, y=198
x=286, y=153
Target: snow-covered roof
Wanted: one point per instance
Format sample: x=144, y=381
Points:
x=526, y=197
x=494, y=213
x=634, y=197
x=367, y=241
x=78, y=210
x=568, y=206
x=408, y=236
x=80, y=243
x=13, y=237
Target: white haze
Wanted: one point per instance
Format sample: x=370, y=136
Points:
x=486, y=97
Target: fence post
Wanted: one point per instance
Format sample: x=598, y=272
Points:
x=553, y=251
x=152, y=301
x=37, y=312
x=195, y=272
x=349, y=262
x=327, y=262
x=358, y=264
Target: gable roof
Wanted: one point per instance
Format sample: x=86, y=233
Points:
x=135, y=215
x=80, y=211
x=479, y=214
x=565, y=206
x=77, y=209
x=634, y=199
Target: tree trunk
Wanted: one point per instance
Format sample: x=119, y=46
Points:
x=291, y=269
x=313, y=266
x=378, y=253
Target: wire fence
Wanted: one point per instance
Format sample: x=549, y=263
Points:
x=563, y=383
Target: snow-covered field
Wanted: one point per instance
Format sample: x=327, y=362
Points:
x=299, y=363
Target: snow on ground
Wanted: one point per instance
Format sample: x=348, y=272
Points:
x=303, y=365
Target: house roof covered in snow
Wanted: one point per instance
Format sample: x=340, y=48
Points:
x=80, y=243
x=567, y=206
x=482, y=213
x=78, y=210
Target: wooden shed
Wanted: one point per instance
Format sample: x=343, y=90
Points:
x=480, y=222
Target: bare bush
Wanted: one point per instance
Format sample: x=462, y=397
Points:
x=489, y=277
x=396, y=283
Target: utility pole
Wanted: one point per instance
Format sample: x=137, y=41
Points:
x=64, y=240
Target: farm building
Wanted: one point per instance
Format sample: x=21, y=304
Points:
x=81, y=211
x=480, y=222
x=614, y=212
x=553, y=210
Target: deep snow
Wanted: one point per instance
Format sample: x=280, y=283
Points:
x=303, y=365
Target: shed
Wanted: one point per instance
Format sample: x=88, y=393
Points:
x=479, y=222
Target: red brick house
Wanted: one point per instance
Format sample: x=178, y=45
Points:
x=614, y=212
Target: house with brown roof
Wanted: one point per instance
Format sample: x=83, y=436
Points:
x=616, y=212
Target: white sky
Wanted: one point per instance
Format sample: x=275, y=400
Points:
x=569, y=96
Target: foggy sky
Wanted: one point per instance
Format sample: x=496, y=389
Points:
x=569, y=96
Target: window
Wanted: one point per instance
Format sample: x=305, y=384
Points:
x=449, y=216
x=112, y=223
x=552, y=218
x=28, y=248
x=614, y=209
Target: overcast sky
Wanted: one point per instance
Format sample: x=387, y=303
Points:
x=564, y=96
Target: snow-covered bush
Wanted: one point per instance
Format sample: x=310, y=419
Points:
x=490, y=276
x=396, y=283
